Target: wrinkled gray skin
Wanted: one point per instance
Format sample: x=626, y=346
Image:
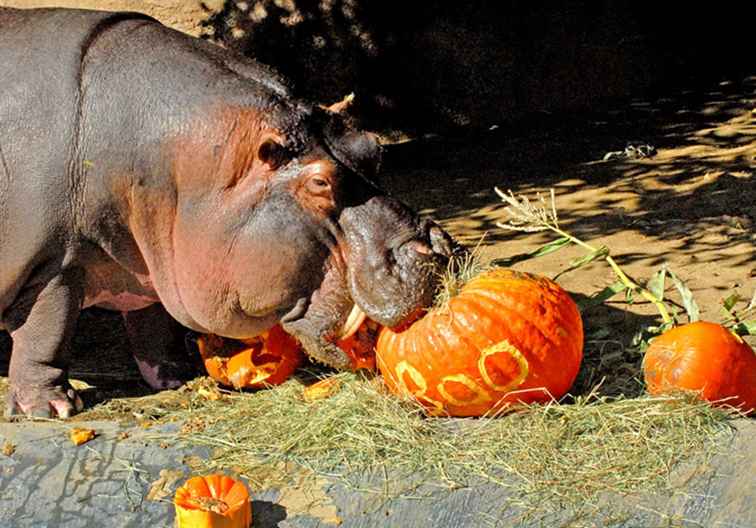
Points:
x=148, y=172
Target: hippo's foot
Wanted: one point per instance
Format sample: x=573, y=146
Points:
x=163, y=374
x=43, y=402
x=157, y=343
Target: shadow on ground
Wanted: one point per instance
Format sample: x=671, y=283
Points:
x=698, y=184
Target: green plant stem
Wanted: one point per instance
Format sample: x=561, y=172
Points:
x=627, y=281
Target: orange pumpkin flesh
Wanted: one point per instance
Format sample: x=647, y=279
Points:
x=703, y=357
x=360, y=347
x=251, y=363
x=506, y=337
x=214, y=501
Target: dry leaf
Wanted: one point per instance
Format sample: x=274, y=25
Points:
x=163, y=486
x=212, y=393
x=9, y=448
x=80, y=435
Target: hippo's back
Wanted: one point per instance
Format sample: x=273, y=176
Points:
x=42, y=54
x=41, y=59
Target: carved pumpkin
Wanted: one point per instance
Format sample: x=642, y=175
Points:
x=703, y=357
x=268, y=359
x=506, y=337
x=214, y=501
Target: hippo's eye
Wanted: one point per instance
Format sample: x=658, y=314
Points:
x=318, y=186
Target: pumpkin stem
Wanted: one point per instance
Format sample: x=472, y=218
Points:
x=459, y=271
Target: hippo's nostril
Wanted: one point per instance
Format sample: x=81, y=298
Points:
x=441, y=242
x=420, y=247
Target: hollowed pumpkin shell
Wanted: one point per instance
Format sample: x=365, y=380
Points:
x=706, y=358
x=268, y=359
x=506, y=337
x=213, y=501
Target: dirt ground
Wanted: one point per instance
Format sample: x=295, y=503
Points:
x=692, y=205
x=184, y=15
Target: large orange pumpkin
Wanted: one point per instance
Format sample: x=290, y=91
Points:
x=214, y=501
x=703, y=357
x=268, y=359
x=506, y=337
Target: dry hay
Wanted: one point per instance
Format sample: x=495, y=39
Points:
x=547, y=457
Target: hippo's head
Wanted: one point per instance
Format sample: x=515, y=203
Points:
x=278, y=220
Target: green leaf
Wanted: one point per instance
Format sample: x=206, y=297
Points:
x=629, y=296
x=551, y=247
x=601, y=252
x=689, y=303
x=745, y=328
x=602, y=296
x=656, y=284
x=730, y=302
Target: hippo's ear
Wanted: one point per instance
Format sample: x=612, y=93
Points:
x=361, y=152
x=272, y=152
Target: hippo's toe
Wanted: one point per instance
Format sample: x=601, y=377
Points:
x=43, y=402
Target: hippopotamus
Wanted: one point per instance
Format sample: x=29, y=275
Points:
x=149, y=172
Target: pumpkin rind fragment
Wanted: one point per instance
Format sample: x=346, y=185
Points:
x=703, y=357
x=79, y=435
x=506, y=337
x=322, y=389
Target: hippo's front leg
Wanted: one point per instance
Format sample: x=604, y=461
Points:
x=41, y=322
x=317, y=323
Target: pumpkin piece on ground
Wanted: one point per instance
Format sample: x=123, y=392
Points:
x=321, y=390
x=254, y=363
x=79, y=435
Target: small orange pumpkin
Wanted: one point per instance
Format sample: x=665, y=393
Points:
x=360, y=347
x=703, y=357
x=268, y=359
x=506, y=337
x=213, y=501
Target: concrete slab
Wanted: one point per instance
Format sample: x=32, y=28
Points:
x=111, y=481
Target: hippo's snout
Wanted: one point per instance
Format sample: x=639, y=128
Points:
x=395, y=260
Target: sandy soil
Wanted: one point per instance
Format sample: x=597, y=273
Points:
x=184, y=15
x=692, y=205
